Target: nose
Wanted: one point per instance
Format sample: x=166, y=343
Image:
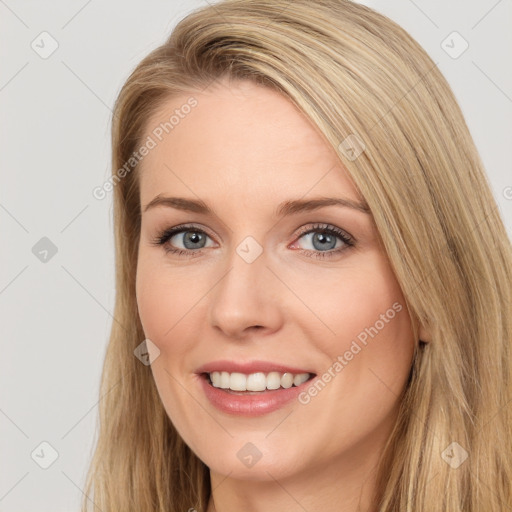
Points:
x=247, y=298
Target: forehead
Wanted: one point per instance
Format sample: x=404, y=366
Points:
x=239, y=137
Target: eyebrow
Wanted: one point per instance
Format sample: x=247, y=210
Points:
x=284, y=209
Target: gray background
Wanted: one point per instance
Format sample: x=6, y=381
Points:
x=55, y=148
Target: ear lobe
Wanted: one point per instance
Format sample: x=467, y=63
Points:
x=424, y=334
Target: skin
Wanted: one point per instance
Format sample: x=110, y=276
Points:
x=243, y=150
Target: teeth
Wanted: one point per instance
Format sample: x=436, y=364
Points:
x=256, y=381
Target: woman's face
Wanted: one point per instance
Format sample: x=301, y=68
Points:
x=265, y=290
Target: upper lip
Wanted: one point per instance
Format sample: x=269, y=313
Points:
x=249, y=367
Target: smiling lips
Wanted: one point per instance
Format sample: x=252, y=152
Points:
x=251, y=388
x=258, y=381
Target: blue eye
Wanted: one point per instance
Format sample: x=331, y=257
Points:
x=193, y=237
x=326, y=235
x=194, y=240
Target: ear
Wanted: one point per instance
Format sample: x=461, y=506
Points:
x=424, y=334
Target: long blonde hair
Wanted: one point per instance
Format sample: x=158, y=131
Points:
x=353, y=72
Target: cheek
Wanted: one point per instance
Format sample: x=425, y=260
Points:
x=352, y=299
x=157, y=299
x=151, y=304
x=368, y=349
x=169, y=304
x=163, y=304
x=361, y=316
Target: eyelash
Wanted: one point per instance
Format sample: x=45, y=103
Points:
x=163, y=237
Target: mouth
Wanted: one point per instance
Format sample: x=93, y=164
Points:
x=252, y=388
x=253, y=394
x=255, y=383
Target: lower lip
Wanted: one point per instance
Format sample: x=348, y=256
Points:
x=256, y=404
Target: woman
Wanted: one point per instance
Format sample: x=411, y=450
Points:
x=313, y=281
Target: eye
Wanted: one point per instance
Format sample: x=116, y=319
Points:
x=323, y=237
x=193, y=241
